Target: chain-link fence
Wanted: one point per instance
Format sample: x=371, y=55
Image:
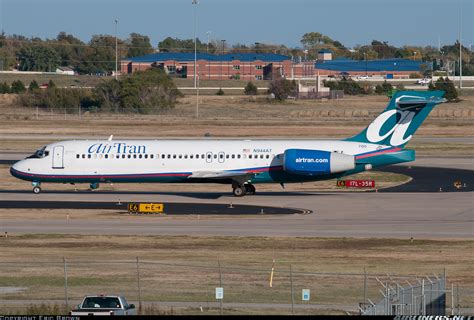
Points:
x=425, y=297
x=161, y=287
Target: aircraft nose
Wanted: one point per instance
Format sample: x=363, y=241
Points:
x=15, y=169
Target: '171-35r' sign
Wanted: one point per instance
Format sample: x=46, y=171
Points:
x=356, y=183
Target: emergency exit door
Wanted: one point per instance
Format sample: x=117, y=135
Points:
x=58, y=157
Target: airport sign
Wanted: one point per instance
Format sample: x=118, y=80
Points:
x=356, y=183
x=219, y=293
x=146, y=207
x=305, y=294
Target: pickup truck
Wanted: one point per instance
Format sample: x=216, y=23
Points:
x=102, y=305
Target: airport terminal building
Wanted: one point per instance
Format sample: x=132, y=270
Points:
x=266, y=66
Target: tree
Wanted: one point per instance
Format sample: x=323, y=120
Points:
x=139, y=45
x=4, y=88
x=69, y=48
x=282, y=88
x=108, y=94
x=450, y=92
x=99, y=55
x=383, y=49
x=17, y=87
x=178, y=45
x=144, y=92
x=349, y=86
x=250, y=89
x=385, y=88
x=33, y=86
x=38, y=58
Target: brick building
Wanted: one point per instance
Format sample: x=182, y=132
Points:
x=262, y=66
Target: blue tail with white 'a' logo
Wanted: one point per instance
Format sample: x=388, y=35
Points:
x=402, y=117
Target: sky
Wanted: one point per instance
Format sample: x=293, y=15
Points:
x=352, y=22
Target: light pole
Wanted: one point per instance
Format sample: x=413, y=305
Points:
x=223, y=43
x=208, y=36
x=414, y=55
x=257, y=44
x=460, y=44
x=116, y=48
x=365, y=57
x=195, y=2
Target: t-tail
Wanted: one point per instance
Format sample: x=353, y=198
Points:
x=398, y=123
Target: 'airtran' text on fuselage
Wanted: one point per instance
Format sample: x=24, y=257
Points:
x=117, y=147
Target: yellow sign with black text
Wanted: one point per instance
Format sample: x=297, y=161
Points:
x=146, y=207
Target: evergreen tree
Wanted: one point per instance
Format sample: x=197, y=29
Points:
x=4, y=88
x=18, y=87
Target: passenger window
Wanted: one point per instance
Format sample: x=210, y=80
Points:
x=261, y=156
x=215, y=156
x=134, y=156
x=152, y=156
x=227, y=156
x=202, y=156
x=233, y=156
x=89, y=156
x=191, y=156
x=250, y=156
x=123, y=156
x=162, y=156
x=238, y=156
x=140, y=156
x=77, y=156
x=221, y=156
x=268, y=156
x=180, y=156
x=146, y=156
x=174, y=156
x=129, y=156
x=106, y=156
x=185, y=156
x=117, y=156
x=209, y=156
x=169, y=156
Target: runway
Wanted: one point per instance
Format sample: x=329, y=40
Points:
x=417, y=209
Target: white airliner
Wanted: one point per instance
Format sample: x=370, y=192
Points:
x=240, y=163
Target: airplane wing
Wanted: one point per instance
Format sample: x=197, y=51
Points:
x=218, y=175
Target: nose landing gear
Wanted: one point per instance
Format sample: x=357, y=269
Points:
x=36, y=187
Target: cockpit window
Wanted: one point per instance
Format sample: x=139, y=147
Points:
x=41, y=153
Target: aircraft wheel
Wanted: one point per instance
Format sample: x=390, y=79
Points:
x=250, y=189
x=239, y=191
x=36, y=190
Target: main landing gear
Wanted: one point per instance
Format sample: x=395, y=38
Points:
x=36, y=187
x=240, y=190
x=94, y=186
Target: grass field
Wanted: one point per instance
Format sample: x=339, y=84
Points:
x=183, y=268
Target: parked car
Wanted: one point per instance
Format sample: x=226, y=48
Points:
x=102, y=305
x=423, y=81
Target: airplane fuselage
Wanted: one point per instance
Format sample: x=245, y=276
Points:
x=174, y=160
